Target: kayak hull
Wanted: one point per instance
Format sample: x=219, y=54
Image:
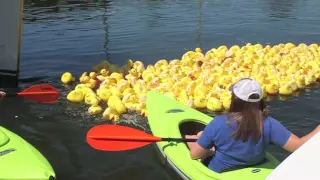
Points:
x=19, y=160
x=168, y=118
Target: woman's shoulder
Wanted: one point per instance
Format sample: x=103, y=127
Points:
x=220, y=119
x=271, y=122
x=269, y=119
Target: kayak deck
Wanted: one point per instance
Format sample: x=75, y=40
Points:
x=19, y=160
x=168, y=118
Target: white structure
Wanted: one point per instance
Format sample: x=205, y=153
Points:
x=11, y=18
x=301, y=164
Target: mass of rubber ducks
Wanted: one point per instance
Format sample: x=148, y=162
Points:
x=198, y=80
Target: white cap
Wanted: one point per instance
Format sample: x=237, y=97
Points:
x=244, y=88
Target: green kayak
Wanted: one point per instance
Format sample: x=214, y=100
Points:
x=19, y=160
x=168, y=118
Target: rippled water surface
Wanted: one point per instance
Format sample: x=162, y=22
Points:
x=60, y=36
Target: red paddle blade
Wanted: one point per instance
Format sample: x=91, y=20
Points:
x=118, y=138
x=44, y=93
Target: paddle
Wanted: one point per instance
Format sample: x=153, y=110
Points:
x=120, y=138
x=44, y=93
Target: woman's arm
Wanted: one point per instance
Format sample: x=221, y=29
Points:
x=295, y=142
x=283, y=137
x=196, y=151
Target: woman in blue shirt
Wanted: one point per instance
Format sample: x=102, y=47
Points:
x=240, y=138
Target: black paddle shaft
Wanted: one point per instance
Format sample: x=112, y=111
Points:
x=179, y=139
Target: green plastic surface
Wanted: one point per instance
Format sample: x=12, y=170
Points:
x=164, y=124
x=19, y=160
x=4, y=139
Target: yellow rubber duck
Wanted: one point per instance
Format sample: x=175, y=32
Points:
x=113, y=100
x=133, y=73
x=75, y=96
x=310, y=79
x=92, y=83
x=93, y=75
x=127, y=91
x=226, y=103
x=200, y=102
x=151, y=68
x=139, y=87
x=116, y=92
x=92, y=99
x=111, y=113
x=272, y=89
x=139, y=66
x=174, y=62
x=101, y=78
x=84, y=79
x=130, y=98
x=109, y=81
x=154, y=83
x=122, y=85
x=120, y=107
x=141, y=106
x=201, y=89
x=95, y=109
x=84, y=89
x=191, y=87
x=190, y=102
x=300, y=81
x=161, y=63
x=214, y=104
x=286, y=89
x=131, y=106
x=117, y=76
x=67, y=78
x=104, y=94
x=104, y=72
x=148, y=76
x=183, y=97
x=162, y=88
x=175, y=70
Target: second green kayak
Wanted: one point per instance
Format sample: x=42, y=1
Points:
x=19, y=160
x=168, y=118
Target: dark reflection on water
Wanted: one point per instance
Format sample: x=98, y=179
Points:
x=61, y=36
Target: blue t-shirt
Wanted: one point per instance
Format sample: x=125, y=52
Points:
x=230, y=152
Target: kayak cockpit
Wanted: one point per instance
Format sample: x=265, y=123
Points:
x=191, y=127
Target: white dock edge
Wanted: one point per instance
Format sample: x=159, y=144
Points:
x=301, y=164
x=11, y=20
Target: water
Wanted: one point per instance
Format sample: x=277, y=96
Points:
x=59, y=37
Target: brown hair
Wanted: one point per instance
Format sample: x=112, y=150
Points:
x=249, y=117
